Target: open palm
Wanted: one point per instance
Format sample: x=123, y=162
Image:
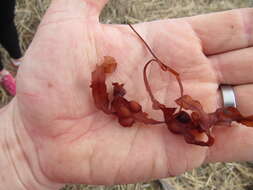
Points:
x=77, y=143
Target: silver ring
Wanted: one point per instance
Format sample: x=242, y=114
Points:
x=228, y=96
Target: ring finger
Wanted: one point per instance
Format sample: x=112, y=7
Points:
x=243, y=96
x=235, y=143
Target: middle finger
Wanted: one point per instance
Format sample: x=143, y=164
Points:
x=234, y=67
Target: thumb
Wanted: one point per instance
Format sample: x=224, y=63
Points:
x=88, y=9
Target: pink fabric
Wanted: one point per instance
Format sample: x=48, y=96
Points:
x=9, y=84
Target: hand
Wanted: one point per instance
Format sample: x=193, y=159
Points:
x=73, y=142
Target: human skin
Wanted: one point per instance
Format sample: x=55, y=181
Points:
x=51, y=132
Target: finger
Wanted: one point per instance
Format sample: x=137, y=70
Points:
x=243, y=97
x=235, y=143
x=88, y=9
x=231, y=144
x=224, y=31
x=234, y=67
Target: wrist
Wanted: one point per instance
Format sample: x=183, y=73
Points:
x=19, y=162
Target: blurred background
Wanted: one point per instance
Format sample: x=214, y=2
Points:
x=218, y=176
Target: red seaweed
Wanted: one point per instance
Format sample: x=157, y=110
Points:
x=128, y=112
x=99, y=90
x=188, y=120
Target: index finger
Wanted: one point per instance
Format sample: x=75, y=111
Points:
x=224, y=31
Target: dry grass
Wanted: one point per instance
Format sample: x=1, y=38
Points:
x=229, y=176
x=122, y=11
